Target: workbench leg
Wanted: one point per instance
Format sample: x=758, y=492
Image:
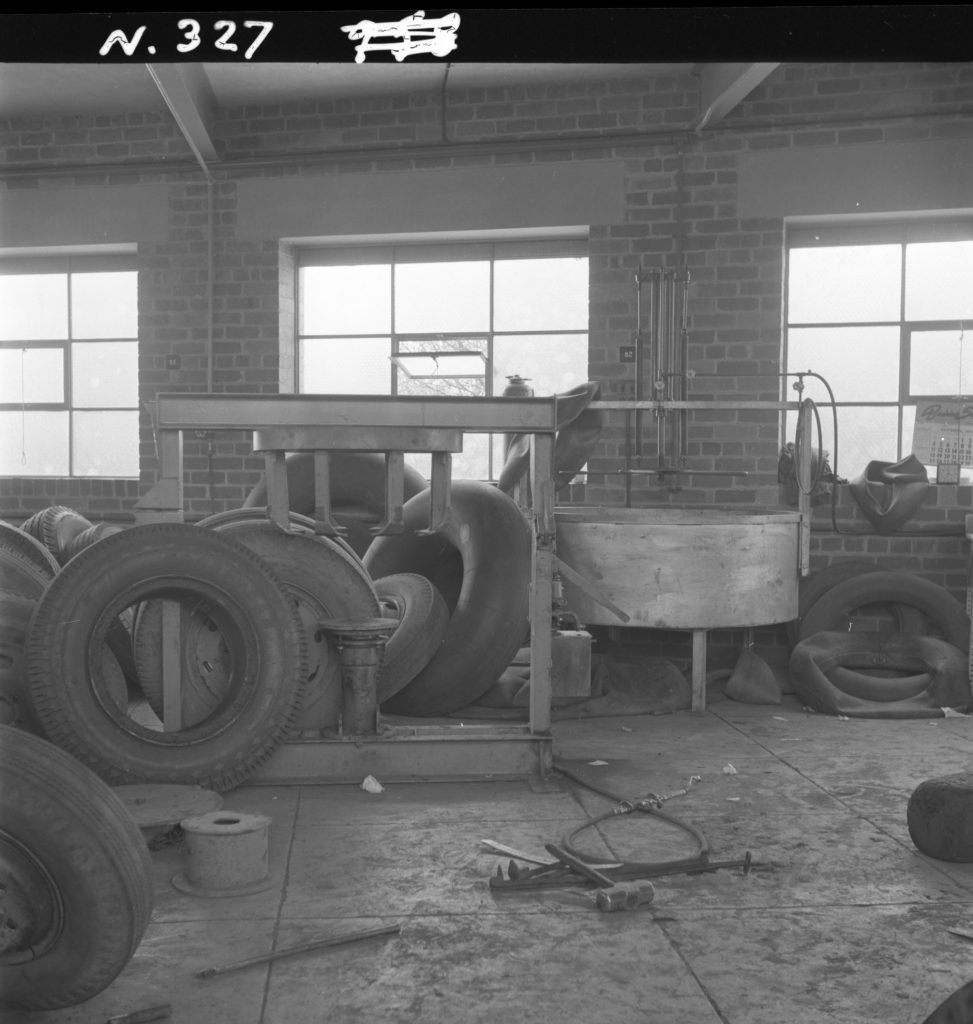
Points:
x=541, y=598
x=699, y=670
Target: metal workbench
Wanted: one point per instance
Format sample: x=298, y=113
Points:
x=437, y=749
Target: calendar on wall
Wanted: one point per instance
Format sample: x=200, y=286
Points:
x=943, y=433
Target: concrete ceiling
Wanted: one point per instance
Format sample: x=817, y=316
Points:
x=51, y=90
x=191, y=92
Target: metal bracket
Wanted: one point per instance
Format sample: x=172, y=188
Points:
x=324, y=525
x=394, y=496
x=439, y=485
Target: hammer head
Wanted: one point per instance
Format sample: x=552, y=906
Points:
x=625, y=896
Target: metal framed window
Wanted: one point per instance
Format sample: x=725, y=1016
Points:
x=444, y=319
x=69, y=366
x=884, y=312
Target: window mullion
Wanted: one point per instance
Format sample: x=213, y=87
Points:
x=68, y=375
x=394, y=336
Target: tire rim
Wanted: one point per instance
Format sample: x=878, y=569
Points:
x=31, y=912
x=217, y=661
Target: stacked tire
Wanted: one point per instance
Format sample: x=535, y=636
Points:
x=76, y=876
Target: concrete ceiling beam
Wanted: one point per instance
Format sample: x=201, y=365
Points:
x=724, y=86
x=187, y=92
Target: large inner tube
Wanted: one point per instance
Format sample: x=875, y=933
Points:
x=357, y=485
x=481, y=563
x=920, y=675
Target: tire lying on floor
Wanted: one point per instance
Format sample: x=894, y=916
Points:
x=202, y=573
x=880, y=675
x=76, y=873
x=481, y=563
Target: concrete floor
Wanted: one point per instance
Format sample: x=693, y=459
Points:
x=842, y=922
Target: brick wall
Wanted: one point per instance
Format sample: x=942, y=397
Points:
x=205, y=285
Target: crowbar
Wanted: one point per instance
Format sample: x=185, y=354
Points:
x=209, y=972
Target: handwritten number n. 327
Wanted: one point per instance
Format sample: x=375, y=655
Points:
x=192, y=34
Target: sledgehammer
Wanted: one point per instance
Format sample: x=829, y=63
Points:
x=625, y=896
x=612, y=895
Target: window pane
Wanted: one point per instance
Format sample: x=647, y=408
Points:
x=854, y=283
x=31, y=375
x=104, y=305
x=346, y=366
x=548, y=294
x=33, y=306
x=106, y=443
x=442, y=297
x=865, y=433
x=455, y=365
x=346, y=300
x=105, y=374
x=473, y=462
x=939, y=364
x=450, y=387
x=34, y=444
x=860, y=363
x=939, y=281
x=551, y=362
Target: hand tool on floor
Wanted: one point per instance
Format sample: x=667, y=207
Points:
x=625, y=896
x=530, y=858
x=576, y=864
x=340, y=940
x=612, y=895
x=562, y=874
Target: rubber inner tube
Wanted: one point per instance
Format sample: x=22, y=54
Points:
x=481, y=563
x=357, y=486
x=931, y=675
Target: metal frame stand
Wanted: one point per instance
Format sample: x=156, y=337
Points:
x=324, y=423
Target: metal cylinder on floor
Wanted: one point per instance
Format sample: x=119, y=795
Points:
x=361, y=646
x=228, y=854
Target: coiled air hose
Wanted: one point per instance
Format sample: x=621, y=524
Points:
x=649, y=804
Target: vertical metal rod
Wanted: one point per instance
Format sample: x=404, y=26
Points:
x=683, y=368
x=171, y=666
x=639, y=360
x=541, y=597
x=699, y=670
x=802, y=448
x=673, y=369
x=628, y=457
x=661, y=370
